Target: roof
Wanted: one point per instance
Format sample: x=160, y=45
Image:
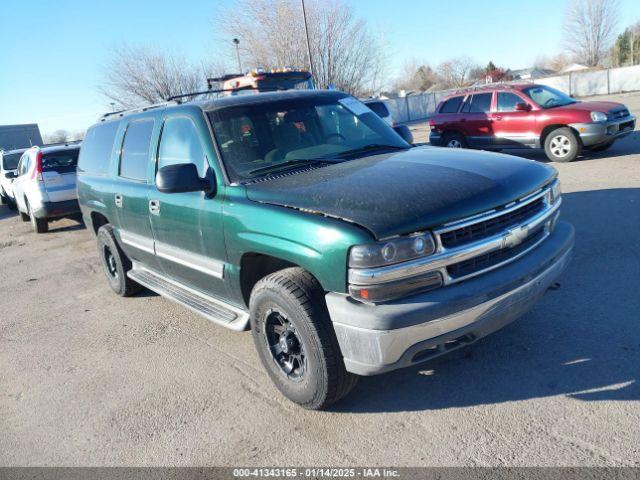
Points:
x=15, y=150
x=490, y=87
x=56, y=147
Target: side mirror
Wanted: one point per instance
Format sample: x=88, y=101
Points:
x=182, y=177
x=11, y=175
x=523, y=107
x=404, y=132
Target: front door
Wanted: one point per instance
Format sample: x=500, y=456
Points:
x=512, y=128
x=187, y=227
x=131, y=193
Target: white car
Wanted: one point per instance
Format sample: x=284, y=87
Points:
x=8, y=168
x=45, y=187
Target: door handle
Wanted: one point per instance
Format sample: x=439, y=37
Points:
x=118, y=200
x=498, y=117
x=154, y=207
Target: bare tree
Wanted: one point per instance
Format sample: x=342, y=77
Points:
x=416, y=76
x=57, y=136
x=137, y=76
x=457, y=72
x=589, y=27
x=345, y=53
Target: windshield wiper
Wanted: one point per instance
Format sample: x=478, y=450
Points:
x=369, y=148
x=297, y=162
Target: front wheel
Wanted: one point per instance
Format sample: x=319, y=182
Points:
x=562, y=145
x=295, y=340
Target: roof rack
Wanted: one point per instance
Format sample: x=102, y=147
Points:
x=66, y=144
x=137, y=109
x=472, y=88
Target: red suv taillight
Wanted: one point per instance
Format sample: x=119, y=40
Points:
x=37, y=172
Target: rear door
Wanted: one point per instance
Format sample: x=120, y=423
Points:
x=59, y=174
x=187, y=227
x=475, y=119
x=131, y=191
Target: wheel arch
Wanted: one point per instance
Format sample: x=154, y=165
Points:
x=554, y=126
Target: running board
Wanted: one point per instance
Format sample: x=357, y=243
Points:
x=211, y=308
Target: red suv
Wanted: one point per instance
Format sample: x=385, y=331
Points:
x=518, y=116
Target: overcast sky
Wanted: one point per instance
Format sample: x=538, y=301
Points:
x=53, y=54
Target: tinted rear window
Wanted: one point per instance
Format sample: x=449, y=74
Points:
x=451, y=106
x=134, y=160
x=97, y=145
x=478, y=103
x=10, y=160
x=379, y=108
x=64, y=161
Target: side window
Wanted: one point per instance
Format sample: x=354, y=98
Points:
x=180, y=143
x=24, y=164
x=96, y=148
x=452, y=105
x=134, y=158
x=507, y=101
x=478, y=103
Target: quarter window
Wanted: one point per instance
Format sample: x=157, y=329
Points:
x=507, y=101
x=478, y=103
x=452, y=105
x=134, y=157
x=180, y=144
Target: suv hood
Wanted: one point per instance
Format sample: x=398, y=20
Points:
x=604, y=107
x=408, y=191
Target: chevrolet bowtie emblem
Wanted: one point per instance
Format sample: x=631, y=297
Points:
x=515, y=237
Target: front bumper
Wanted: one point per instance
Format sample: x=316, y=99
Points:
x=379, y=338
x=599, y=133
x=56, y=209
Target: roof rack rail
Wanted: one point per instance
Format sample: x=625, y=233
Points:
x=137, y=109
x=471, y=88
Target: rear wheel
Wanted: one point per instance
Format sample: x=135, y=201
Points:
x=115, y=263
x=295, y=340
x=40, y=225
x=454, y=140
x=562, y=145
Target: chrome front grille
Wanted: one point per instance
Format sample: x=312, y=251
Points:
x=487, y=228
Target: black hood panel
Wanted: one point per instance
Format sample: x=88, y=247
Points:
x=407, y=191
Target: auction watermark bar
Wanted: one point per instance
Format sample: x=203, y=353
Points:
x=234, y=473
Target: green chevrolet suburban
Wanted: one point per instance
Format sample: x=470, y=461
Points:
x=303, y=216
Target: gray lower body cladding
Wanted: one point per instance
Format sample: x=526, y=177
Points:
x=379, y=338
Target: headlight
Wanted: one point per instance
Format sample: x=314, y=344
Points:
x=598, y=117
x=393, y=251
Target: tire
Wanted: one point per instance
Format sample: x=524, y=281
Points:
x=40, y=225
x=115, y=263
x=601, y=148
x=562, y=145
x=454, y=140
x=309, y=370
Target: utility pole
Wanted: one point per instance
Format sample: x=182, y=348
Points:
x=306, y=32
x=236, y=42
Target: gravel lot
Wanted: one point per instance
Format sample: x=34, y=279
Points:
x=88, y=378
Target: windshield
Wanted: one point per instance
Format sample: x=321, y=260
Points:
x=10, y=161
x=262, y=138
x=547, y=97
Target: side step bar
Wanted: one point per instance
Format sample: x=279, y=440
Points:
x=211, y=308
